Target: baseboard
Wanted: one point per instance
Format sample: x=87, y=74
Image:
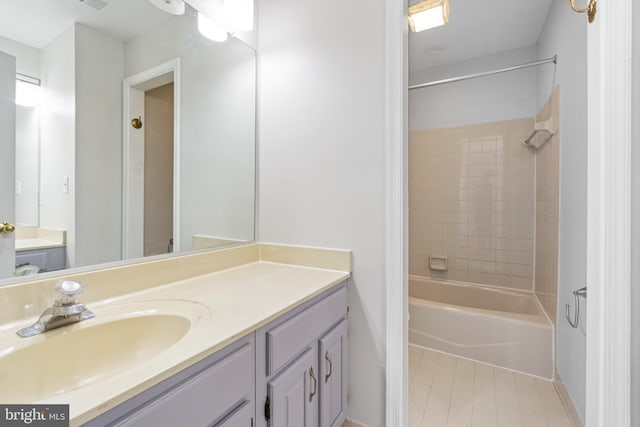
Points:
x=572, y=412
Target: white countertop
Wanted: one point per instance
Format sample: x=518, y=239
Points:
x=30, y=244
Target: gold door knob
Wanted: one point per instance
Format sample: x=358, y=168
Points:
x=6, y=228
x=136, y=122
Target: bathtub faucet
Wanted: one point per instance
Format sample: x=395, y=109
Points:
x=65, y=310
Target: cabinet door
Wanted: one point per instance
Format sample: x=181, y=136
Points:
x=334, y=376
x=293, y=394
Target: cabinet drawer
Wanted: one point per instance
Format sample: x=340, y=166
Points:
x=241, y=417
x=204, y=398
x=287, y=340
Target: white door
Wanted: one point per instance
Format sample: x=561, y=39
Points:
x=7, y=161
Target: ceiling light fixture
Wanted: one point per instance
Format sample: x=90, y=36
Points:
x=174, y=7
x=428, y=14
x=211, y=29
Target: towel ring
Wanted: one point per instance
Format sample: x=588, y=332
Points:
x=590, y=10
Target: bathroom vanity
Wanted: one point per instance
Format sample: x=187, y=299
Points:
x=41, y=247
x=290, y=372
x=254, y=335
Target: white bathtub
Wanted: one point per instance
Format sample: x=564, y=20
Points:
x=497, y=326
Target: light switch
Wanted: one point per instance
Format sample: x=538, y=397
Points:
x=65, y=185
x=18, y=186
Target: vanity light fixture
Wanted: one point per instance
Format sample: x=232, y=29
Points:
x=239, y=14
x=211, y=29
x=428, y=14
x=174, y=7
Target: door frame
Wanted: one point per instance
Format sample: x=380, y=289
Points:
x=608, y=394
x=8, y=171
x=397, y=210
x=128, y=87
x=608, y=223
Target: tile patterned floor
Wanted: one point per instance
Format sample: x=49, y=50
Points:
x=447, y=391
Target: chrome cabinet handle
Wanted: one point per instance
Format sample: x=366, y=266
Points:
x=315, y=384
x=327, y=357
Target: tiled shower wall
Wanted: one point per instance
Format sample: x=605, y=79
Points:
x=471, y=198
x=547, y=196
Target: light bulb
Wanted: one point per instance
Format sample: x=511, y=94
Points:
x=211, y=29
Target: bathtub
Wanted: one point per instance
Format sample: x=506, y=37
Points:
x=493, y=325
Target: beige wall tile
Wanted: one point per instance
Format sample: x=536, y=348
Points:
x=471, y=192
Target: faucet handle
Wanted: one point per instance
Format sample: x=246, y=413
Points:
x=68, y=290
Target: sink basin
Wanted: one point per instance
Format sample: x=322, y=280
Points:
x=118, y=339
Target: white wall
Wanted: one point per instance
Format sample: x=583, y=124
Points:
x=635, y=224
x=99, y=70
x=512, y=95
x=565, y=34
x=321, y=153
x=58, y=113
x=27, y=135
x=27, y=57
x=217, y=166
x=27, y=165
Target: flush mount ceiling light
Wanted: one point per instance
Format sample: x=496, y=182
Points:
x=174, y=7
x=428, y=14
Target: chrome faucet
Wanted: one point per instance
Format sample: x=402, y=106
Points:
x=65, y=310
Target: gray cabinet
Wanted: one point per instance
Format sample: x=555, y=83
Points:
x=301, y=365
x=290, y=372
x=48, y=259
x=294, y=393
x=217, y=391
x=334, y=376
x=241, y=417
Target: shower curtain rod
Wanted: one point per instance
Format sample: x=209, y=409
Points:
x=553, y=59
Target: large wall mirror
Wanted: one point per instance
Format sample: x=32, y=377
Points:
x=134, y=135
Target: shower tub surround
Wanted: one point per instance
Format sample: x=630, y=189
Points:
x=471, y=198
